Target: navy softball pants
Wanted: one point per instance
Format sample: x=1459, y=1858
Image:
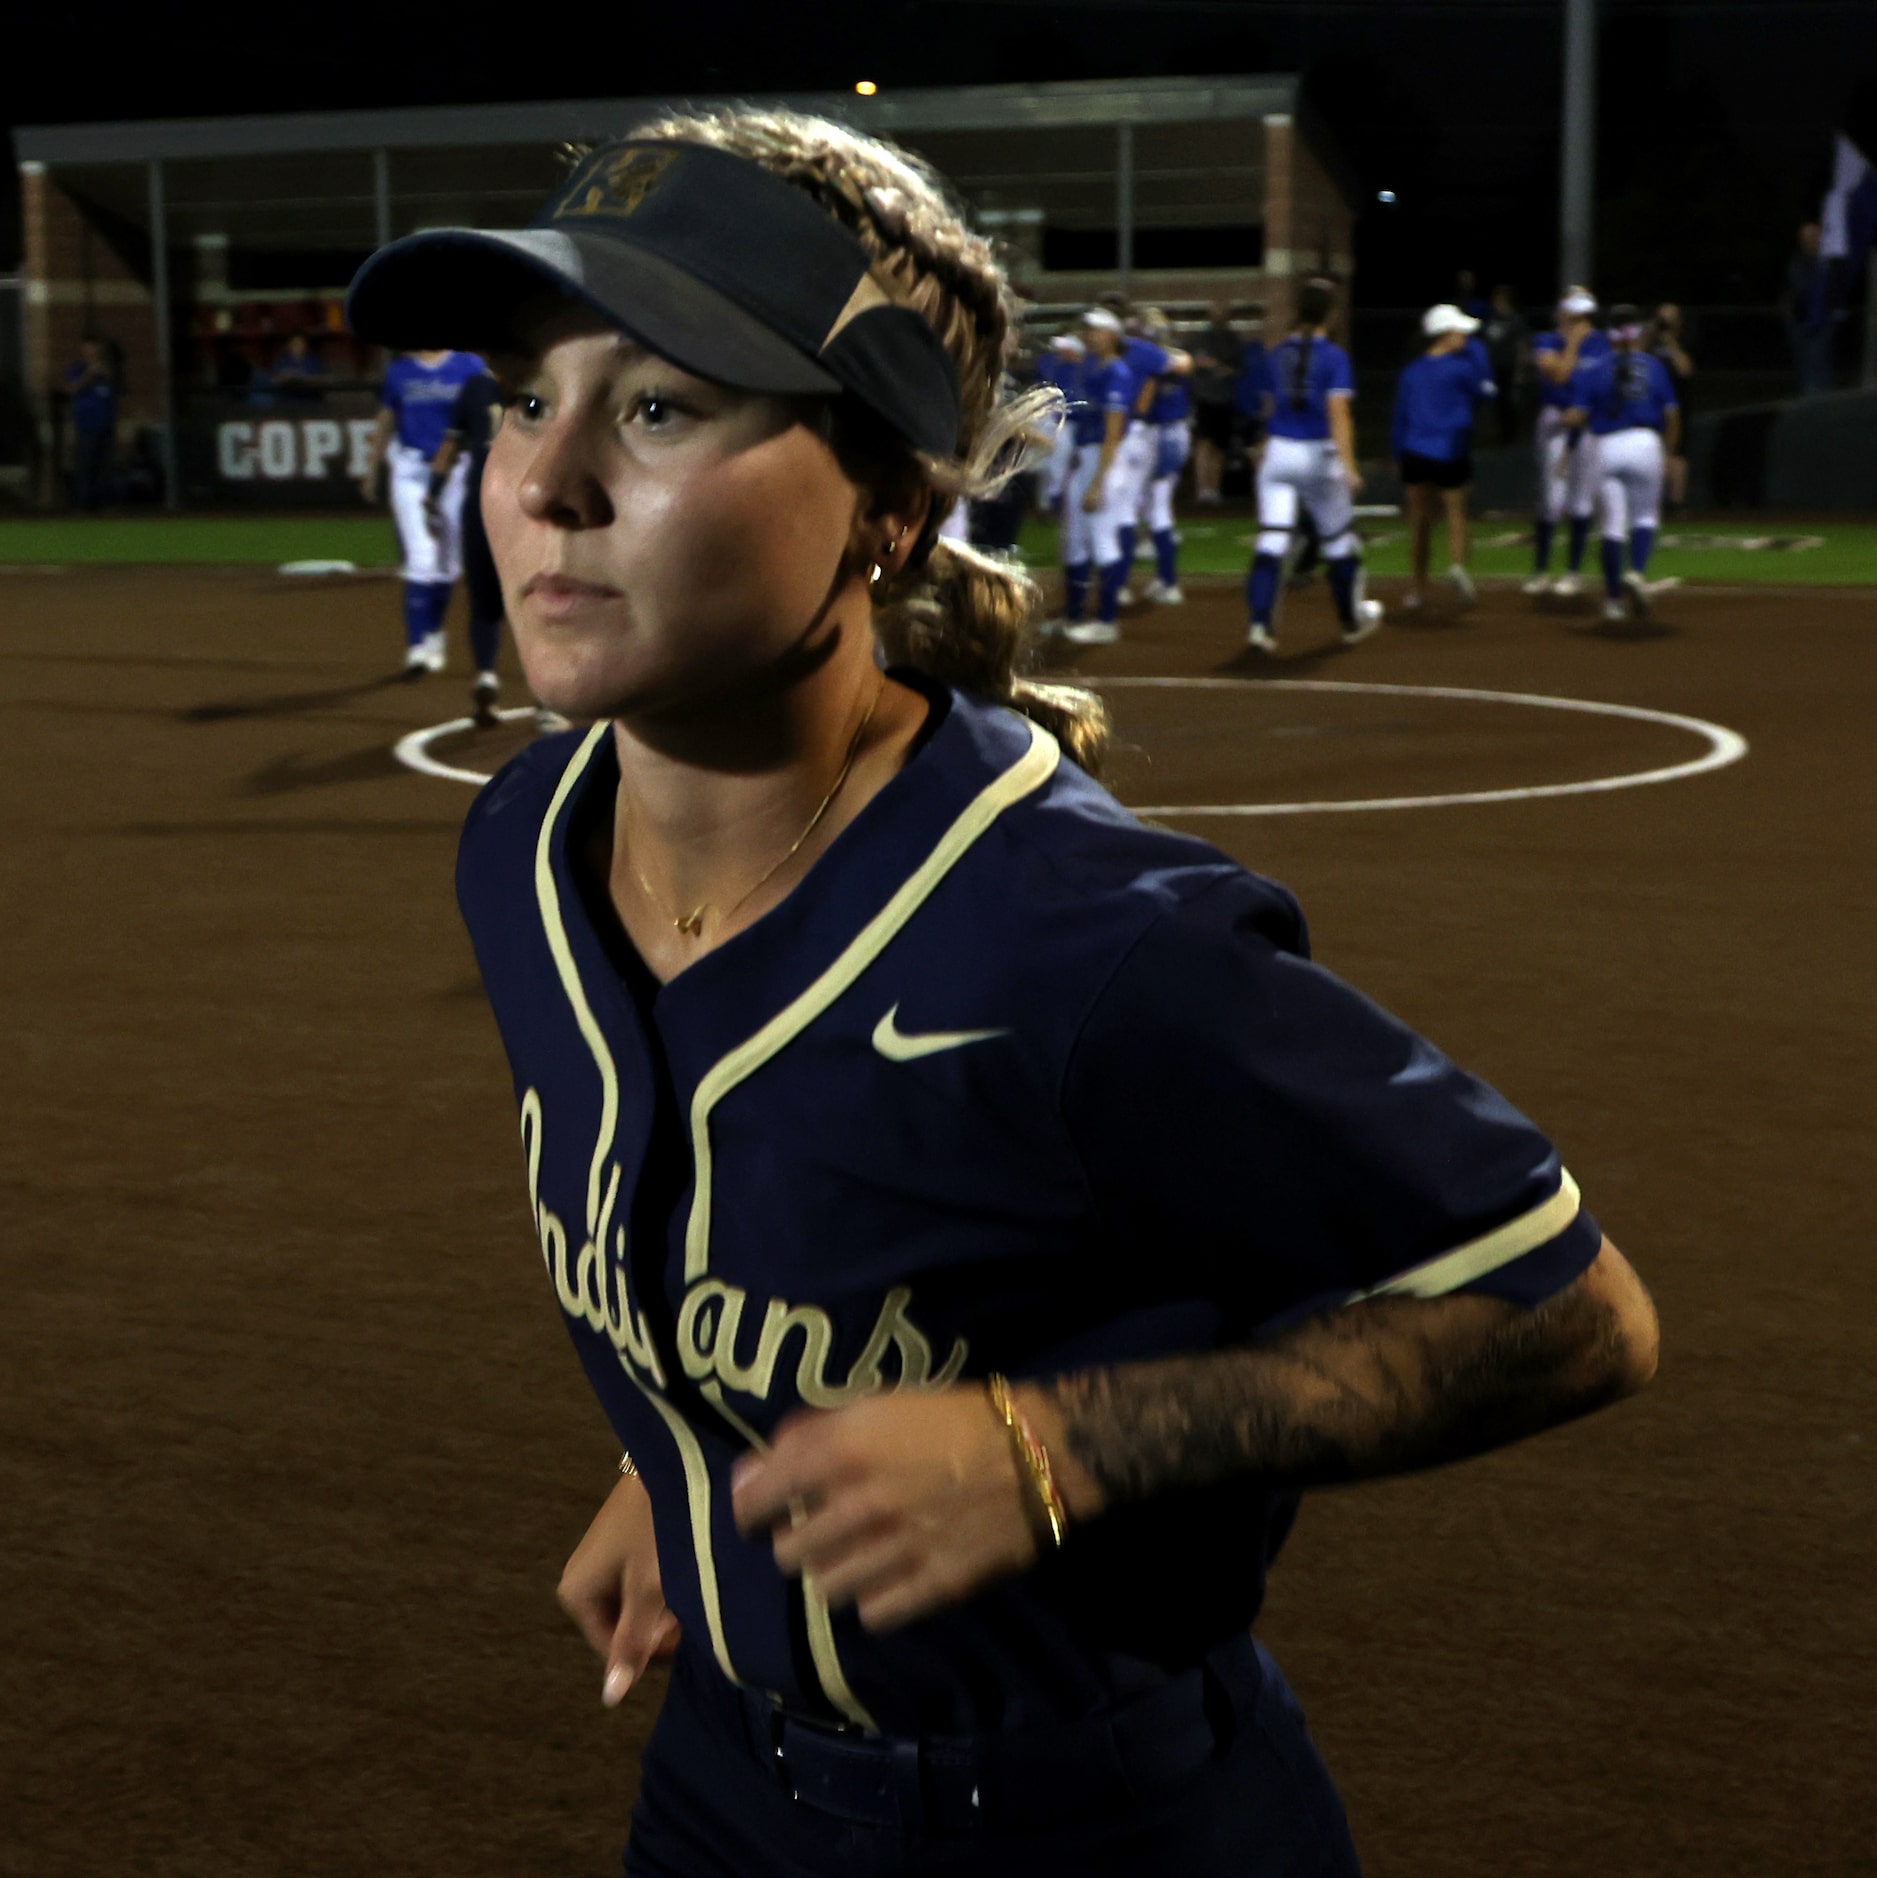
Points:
x=1264, y=1807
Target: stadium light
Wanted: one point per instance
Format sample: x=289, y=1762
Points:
x=866, y=87
x=1384, y=195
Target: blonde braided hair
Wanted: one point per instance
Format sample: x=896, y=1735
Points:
x=963, y=615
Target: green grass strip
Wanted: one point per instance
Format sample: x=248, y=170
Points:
x=1845, y=554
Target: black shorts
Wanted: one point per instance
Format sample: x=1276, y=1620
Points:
x=1440, y=472
x=1213, y=424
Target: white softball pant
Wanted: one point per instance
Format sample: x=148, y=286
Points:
x=1133, y=469
x=1172, y=442
x=1299, y=473
x=1094, y=537
x=1629, y=481
x=1567, y=477
x=428, y=557
x=1055, y=471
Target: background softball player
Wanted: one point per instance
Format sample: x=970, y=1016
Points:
x=1309, y=464
x=1060, y=364
x=1096, y=497
x=1149, y=361
x=420, y=390
x=473, y=418
x=1628, y=399
x=1431, y=433
x=1170, y=415
x=1567, y=453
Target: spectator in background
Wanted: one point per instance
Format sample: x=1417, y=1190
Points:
x=1665, y=339
x=1218, y=360
x=298, y=375
x=1508, y=339
x=1807, y=306
x=1466, y=295
x=91, y=393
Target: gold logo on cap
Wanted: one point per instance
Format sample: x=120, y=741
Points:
x=619, y=184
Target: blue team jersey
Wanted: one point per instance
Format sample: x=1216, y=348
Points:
x=421, y=396
x=1594, y=345
x=1301, y=377
x=1482, y=364
x=1623, y=391
x=1105, y=388
x=1145, y=360
x=1173, y=402
x=1066, y=374
x=1434, y=404
x=1156, y=1128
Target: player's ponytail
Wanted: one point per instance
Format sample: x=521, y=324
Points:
x=1313, y=308
x=960, y=614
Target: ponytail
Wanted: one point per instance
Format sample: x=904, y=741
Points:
x=1313, y=308
x=964, y=618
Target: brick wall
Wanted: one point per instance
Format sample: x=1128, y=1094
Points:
x=76, y=282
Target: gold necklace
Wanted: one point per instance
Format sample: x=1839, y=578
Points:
x=691, y=924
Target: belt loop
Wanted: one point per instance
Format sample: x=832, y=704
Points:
x=907, y=1785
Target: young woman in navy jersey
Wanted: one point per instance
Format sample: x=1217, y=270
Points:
x=976, y=1216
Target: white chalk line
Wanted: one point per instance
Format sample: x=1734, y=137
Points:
x=1724, y=746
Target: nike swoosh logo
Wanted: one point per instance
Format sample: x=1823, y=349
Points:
x=893, y=1043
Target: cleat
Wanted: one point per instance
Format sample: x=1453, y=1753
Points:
x=1154, y=588
x=1568, y=586
x=415, y=665
x=1054, y=627
x=1167, y=596
x=1125, y=597
x=1368, y=620
x=1092, y=632
x=488, y=689
x=434, y=652
x=1638, y=593
x=1537, y=584
x=1261, y=638
x=1463, y=585
x=1615, y=611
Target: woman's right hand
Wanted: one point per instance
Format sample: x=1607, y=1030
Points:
x=612, y=1590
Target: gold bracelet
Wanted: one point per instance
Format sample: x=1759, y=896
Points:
x=1032, y=1456
x=628, y=1468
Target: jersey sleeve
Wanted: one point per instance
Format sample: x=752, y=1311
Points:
x=1241, y=1111
x=1340, y=378
x=392, y=394
x=1118, y=394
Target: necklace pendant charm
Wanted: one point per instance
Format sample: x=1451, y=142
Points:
x=692, y=922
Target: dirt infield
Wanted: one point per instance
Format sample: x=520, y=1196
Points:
x=294, y=1448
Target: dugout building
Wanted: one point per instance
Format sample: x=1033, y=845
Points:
x=196, y=249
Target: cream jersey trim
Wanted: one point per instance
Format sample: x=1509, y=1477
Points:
x=814, y=1605
x=1026, y=775
x=1464, y=1264
x=556, y=928
x=602, y=1193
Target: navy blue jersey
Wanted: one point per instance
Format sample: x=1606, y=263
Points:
x=1106, y=387
x=1012, y=1083
x=1623, y=391
x=1301, y=377
x=1434, y=402
x=420, y=396
x=1594, y=345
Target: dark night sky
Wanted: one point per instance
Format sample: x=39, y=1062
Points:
x=1713, y=132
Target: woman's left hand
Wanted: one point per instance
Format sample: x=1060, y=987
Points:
x=903, y=1503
